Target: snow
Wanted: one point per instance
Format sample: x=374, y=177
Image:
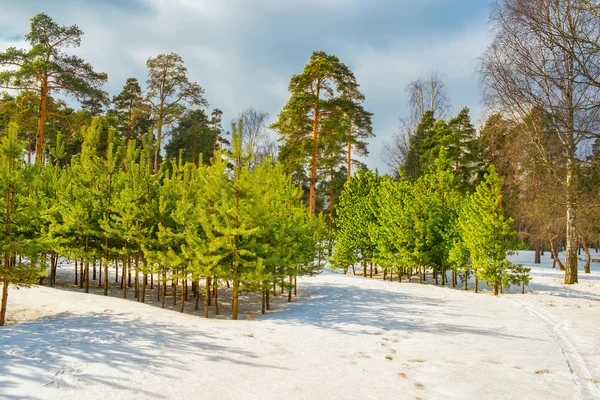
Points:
x=342, y=337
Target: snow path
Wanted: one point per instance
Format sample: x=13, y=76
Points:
x=343, y=337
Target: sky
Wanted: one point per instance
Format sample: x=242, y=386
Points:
x=244, y=52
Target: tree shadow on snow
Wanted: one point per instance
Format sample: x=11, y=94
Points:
x=356, y=310
x=56, y=350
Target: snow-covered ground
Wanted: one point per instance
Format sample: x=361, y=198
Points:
x=343, y=337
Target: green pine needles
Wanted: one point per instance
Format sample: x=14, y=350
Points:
x=223, y=222
x=412, y=226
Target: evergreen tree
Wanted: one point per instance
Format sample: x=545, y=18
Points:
x=20, y=240
x=314, y=96
x=169, y=93
x=487, y=233
x=46, y=68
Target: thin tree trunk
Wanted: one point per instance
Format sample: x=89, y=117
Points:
x=4, y=290
x=263, y=299
x=538, y=248
x=197, y=290
x=164, y=288
x=207, y=297
x=290, y=290
x=144, y=283
x=123, y=283
x=76, y=272
x=588, y=256
x=267, y=298
x=174, y=285
x=87, y=277
x=556, y=258
x=183, y=299
x=81, y=275
x=40, y=138
x=236, y=288
x=106, y=278
x=216, y=295
x=137, y=278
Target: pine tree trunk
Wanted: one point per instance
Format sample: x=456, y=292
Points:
x=100, y=274
x=495, y=288
x=164, y=288
x=183, y=299
x=538, y=249
x=236, y=288
x=290, y=290
x=197, y=290
x=185, y=288
x=117, y=270
x=137, y=280
x=76, y=272
x=371, y=270
x=384, y=273
x=106, y=278
x=314, y=159
x=144, y=283
x=476, y=287
x=4, y=290
x=267, y=299
x=51, y=270
x=87, y=277
x=208, y=285
x=152, y=278
x=40, y=138
x=207, y=297
x=123, y=274
x=216, y=295
x=81, y=275
x=263, y=299
x=94, y=270
x=129, y=271
x=353, y=270
x=295, y=285
x=174, y=281
x=158, y=287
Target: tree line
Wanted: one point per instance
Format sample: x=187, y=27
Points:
x=532, y=168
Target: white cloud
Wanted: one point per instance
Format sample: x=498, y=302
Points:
x=243, y=52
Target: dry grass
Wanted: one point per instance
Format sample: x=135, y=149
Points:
x=542, y=372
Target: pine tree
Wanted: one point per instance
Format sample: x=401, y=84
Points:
x=20, y=237
x=46, y=68
x=487, y=233
x=314, y=95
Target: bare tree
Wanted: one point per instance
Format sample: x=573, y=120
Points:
x=255, y=137
x=537, y=63
x=396, y=151
x=427, y=93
